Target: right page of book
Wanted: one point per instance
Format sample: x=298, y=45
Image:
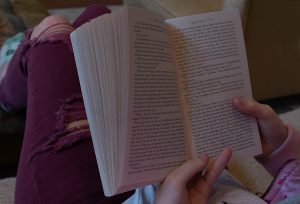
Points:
x=212, y=69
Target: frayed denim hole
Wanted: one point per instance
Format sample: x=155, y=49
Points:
x=71, y=110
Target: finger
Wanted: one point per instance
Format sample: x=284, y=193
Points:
x=185, y=172
x=217, y=167
x=203, y=186
x=253, y=108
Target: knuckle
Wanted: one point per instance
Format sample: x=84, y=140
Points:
x=250, y=105
x=171, y=180
x=189, y=162
x=269, y=112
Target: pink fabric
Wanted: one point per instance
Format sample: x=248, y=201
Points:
x=290, y=149
x=284, y=165
x=286, y=183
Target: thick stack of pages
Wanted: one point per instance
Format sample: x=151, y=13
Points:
x=160, y=92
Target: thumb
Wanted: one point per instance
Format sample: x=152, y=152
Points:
x=254, y=109
x=218, y=166
x=204, y=184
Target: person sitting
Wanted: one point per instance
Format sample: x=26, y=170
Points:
x=58, y=164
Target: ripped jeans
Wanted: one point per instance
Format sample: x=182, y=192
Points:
x=57, y=162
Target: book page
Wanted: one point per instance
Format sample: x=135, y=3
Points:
x=212, y=67
x=156, y=143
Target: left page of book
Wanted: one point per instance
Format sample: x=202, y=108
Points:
x=156, y=140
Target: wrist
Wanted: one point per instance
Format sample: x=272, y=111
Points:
x=288, y=150
x=271, y=144
x=280, y=140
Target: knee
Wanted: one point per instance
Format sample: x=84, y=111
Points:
x=50, y=26
x=89, y=13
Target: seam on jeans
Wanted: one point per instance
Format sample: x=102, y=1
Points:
x=70, y=110
x=37, y=188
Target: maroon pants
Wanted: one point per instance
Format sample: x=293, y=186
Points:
x=57, y=165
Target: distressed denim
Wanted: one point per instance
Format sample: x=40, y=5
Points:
x=57, y=162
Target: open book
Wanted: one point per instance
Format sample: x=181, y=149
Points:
x=160, y=92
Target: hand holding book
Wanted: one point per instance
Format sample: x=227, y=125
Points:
x=187, y=184
x=272, y=130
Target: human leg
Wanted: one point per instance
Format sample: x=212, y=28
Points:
x=13, y=87
x=57, y=162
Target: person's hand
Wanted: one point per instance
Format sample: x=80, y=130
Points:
x=272, y=130
x=188, y=185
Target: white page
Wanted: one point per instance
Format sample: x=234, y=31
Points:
x=212, y=66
